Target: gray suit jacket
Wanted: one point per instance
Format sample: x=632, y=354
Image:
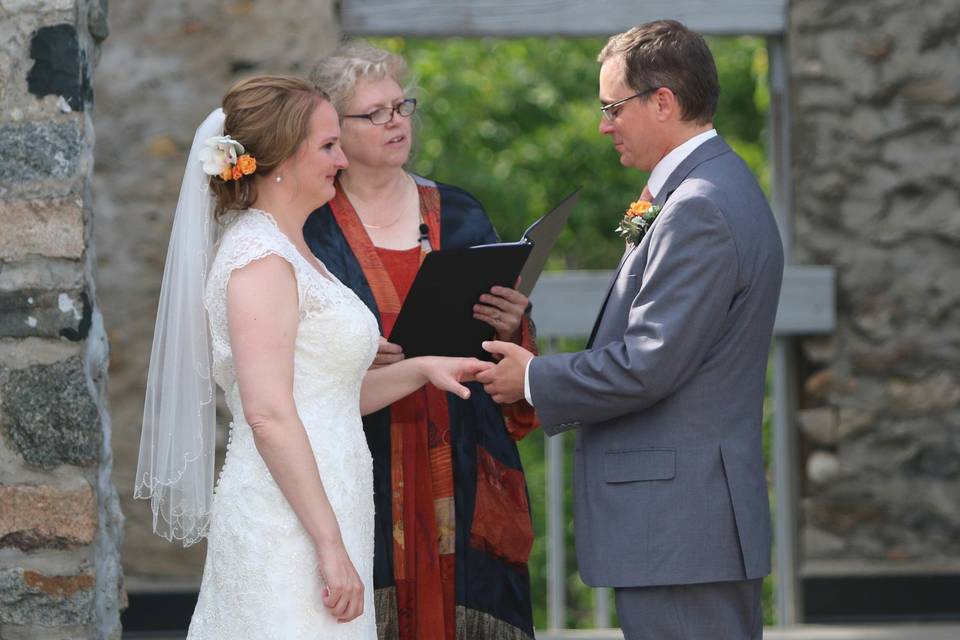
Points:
x=669, y=484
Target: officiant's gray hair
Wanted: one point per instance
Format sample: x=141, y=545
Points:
x=665, y=53
x=337, y=74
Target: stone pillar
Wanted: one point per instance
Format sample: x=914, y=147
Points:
x=165, y=66
x=876, y=147
x=60, y=523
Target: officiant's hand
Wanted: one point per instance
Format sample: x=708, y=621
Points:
x=504, y=382
x=343, y=594
x=503, y=309
x=387, y=353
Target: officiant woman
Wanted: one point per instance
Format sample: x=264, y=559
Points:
x=453, y=528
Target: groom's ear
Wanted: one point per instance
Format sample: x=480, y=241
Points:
x=668, y=107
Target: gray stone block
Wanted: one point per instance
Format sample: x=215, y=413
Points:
x=940, y=460
x=818, y=543
x=45, y=314
x=29, y=597
x=940, y=392
x=35, y=632
x=39, y=151
x=819, y=349
x=33, y=227
x=819, y=424
x=853, y=422
x=822, y=467
x=42, y=273
x=44, y=6
x=97, y=20
x=49, y=415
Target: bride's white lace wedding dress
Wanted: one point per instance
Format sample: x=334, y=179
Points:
x=260, y=580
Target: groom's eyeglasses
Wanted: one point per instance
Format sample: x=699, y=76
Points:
x=612, y=110
x=383, y=115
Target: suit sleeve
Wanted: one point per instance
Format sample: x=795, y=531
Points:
x=688, y=284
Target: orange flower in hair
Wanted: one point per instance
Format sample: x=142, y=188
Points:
x=224, y=157
x=247, y=164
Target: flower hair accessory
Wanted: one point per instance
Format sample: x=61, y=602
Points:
x=225, y=157
x=637, y=220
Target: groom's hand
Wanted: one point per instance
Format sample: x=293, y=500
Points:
x=504, y=382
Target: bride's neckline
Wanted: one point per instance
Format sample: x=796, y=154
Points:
x=312, y=261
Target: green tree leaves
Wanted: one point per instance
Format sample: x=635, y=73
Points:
x=515, y=121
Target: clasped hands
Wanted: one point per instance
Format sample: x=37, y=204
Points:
x=503, y=380
x=503, y=309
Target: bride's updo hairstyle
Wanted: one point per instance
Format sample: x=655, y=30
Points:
x=269, y=116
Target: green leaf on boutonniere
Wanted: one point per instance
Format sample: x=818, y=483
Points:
x=637, y=220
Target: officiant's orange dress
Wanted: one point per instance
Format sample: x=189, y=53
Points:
x=453, y=528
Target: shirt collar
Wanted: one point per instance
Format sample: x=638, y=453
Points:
x=669, y=162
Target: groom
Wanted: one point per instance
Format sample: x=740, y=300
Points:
x=670, y=497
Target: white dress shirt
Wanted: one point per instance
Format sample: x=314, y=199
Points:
x=669, y=163
x=658, y=177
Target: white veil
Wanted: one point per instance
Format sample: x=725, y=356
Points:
x=175, y=468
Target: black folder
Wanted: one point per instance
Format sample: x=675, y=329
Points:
x=543, y=234
x=437, y=316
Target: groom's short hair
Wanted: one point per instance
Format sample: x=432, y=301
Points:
x=665, y=53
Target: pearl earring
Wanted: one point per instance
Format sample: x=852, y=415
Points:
x=279, y=178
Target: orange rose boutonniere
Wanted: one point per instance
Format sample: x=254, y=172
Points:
x=637, y=220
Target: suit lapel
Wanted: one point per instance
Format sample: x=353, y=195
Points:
x=708, y=150
x=596, y=323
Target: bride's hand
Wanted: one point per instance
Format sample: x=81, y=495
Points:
x=447, y=373
x=343, y=594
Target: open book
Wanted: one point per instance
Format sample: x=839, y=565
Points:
x=437, y=316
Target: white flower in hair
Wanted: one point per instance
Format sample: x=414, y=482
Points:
x=219, y=153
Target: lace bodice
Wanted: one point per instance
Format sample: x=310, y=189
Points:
x=260, y=579
x=251, y=235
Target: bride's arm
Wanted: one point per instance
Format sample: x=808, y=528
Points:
x=387, y=384
x=263, y=314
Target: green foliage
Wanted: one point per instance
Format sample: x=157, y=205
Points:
x=515, y=122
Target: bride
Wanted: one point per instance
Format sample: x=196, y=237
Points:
x=290, y=524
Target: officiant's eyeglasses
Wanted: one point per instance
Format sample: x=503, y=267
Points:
x=612, y=110
x=383, y=115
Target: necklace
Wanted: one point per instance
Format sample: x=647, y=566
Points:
x=383, y=226
x=395, y=220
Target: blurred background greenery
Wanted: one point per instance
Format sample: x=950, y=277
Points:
x=514, y=121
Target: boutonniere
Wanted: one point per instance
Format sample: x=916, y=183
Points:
x=637, y=219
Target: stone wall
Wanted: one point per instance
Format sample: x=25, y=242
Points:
x=165, y=66
x=876, y=149
x=60, y=525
